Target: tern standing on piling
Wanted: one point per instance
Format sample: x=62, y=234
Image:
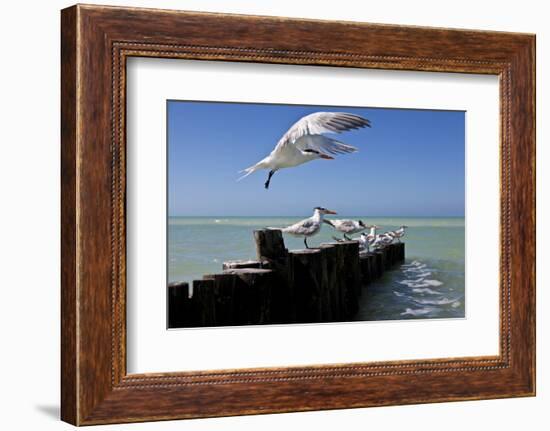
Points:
x=399, y=233
x=347, y=227
x=382, y=240
x=309, y=226
x=366, y=240
x=305, y=142
x=372, y=234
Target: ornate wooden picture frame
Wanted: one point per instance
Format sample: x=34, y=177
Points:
x=96, y=41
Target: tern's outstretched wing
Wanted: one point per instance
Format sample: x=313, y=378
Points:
x=322, y=122
x=323, y=144
x=347, y=224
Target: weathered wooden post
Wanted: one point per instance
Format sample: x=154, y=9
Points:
x=333, y=259
x=367, y=262
x=178, y=304
x=204, y=310
x=243, y=296
x=242, y=264
x=387, y=251
x=387, y=258
x=326, y=306
x=253, y=294
x=400, y=246
x=389, y=255
x=374, y=267
x=269, y=244
x=397, y=253
x=351, y=273
x=379, y=263
x=223, y=290
x=343, y=291
x=307, y=268
x=271, y=251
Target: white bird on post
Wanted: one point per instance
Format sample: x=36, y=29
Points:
x=367, y=240
x=347, y=227
x=309, y=226
x=399, y=233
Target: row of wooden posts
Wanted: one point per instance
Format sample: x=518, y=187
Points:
x=321, y=284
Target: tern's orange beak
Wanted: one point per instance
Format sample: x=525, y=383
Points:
x=324, y=156
x=330, y=212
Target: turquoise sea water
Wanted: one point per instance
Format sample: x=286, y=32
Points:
x=430, y=284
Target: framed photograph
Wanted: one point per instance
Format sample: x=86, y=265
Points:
x=317, y=215
x=213, y=220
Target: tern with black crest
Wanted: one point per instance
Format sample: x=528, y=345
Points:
x=347, y=227
x=309, y=226
x=305, y=142
x=399, y=233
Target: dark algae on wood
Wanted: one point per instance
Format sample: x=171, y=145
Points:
x=297, y=286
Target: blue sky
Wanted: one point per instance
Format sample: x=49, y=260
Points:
x=409, y=163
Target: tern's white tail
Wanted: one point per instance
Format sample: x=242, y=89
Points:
x=251, y=170
x=247, y=172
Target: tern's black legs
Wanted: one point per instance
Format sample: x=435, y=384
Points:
x=269, y=179
x=305, y=242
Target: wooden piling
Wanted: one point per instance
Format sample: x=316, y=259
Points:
x=223, y=291
x=243, y=264
x=333, y=261
x=271, y=251
x=204, y=311
x=307, y=266
x=386, y=264
x=379, y=263
x=351, y=272
x=299, y=286
x=178, y=304
x=400, y=251
x=394, y=252
x=242, y=296
x=253, y=293
x=269, y=244
x=368, y=270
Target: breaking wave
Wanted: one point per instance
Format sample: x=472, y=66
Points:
x=422, y=294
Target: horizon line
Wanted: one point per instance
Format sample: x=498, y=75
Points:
x=302, y=215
